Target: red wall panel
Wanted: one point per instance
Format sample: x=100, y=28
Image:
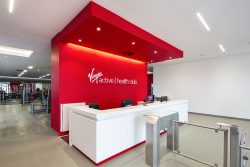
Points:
x=71, y=64
x=77, y=62
x=55, y=91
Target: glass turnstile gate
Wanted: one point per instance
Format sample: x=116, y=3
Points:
x=234, y=150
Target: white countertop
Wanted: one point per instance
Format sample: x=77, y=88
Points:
x=119, y=112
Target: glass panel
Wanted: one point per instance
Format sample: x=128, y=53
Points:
x=247, y=163
x=202, y=144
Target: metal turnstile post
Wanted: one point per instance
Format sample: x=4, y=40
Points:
x=173, y=136
x=155, y=124
x=152, y=142
x=234, y=146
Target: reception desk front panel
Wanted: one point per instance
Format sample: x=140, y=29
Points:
x=101, y=134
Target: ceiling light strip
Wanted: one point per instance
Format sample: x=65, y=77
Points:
x=203, y=21
x=102, y=53
x=222, y=48
x=15, y=51
x=11, y=6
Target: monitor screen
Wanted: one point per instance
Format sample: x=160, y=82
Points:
x=150, y=98
x=94, y=105
x=164, y=98
x=126, y=102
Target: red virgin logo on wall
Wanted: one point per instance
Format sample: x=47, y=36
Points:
x=99, y=78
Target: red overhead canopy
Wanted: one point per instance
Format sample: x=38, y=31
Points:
x=116, y=36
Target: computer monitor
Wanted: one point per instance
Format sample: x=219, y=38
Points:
x=164, y=98
x=94, y=105
x=150, y=98
x=126, y=102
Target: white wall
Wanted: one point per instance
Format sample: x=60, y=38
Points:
x=219, y=86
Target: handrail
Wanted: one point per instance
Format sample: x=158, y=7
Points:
x=201, y=126
x=244, y=147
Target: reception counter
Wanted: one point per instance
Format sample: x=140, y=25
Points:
x=103, y=134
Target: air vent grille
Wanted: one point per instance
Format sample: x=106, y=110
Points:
x=128, y=53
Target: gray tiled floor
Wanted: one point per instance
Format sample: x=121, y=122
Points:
x=26, y=140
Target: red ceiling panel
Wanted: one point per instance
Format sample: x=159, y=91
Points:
x=116, y=36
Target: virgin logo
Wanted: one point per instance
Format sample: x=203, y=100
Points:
x=94, y=77
x=98, y=78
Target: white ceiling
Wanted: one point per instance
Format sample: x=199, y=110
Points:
x=35, y=22
x=31, y=26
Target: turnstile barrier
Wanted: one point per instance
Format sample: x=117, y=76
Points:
x=233, y=147
x=155, y=124
x=244, y=150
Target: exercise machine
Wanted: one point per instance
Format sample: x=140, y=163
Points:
x=28, y=93
x=45, y=104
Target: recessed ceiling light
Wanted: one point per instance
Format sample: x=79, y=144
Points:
x=155, y=52
x=15, y=51
x=222, y=48
x=151, y=61
x=30, y=67
x=25, y=71
x=47, y=75
x=133, y=43
x=203, y=21
x=170, y=57
x=79, y=40
x=98, y=28
x=11, y=6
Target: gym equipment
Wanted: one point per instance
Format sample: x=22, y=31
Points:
x=4, y=91
x=45, y=102
x=2, y=96
x=28, y=93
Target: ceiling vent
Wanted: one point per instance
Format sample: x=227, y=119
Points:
x=19, y=70
x=128, y=53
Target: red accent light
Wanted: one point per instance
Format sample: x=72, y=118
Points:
x=106, y=54
x=133, y=43
x=61, y=134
